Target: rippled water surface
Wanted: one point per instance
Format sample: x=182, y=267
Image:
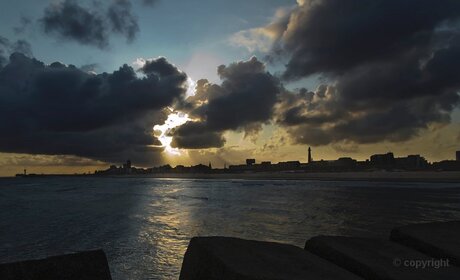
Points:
x=144, y=224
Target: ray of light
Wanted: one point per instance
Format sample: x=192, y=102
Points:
x=174, y=119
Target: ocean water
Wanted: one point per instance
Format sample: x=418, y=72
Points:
x=145, y=224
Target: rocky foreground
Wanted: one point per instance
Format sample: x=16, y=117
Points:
x=419, y=251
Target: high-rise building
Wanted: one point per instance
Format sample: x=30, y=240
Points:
x=457, y=155
x=310, y=159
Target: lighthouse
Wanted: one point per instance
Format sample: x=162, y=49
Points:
x=310, y=159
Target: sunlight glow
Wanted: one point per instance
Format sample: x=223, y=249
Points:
x=191, y=87
x=175, y=119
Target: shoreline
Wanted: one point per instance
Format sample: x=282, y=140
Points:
x=403, y=176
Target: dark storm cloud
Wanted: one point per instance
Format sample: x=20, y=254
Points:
x=389, y=101
x=334, y=35
x=195, y=135
x=244, y=101
x=122, y=19
x=59, y=109
x=159, y=66
x=389, y=69
x=69, y=20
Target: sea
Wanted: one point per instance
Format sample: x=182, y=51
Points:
x=145, y=224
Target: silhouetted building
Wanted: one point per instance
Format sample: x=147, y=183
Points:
x=250, y=161
x=345, y=162
x=446, y=165
x=386, y=161
x=310, y=159
x=288, y=165
x=339, y=165
x=263, y=166
x=200, y=168
x=389, y=162
x=164, y=168
x=127, y=167
x=240, y=167
x=411, y=162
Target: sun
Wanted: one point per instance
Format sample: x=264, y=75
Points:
x=174, y=119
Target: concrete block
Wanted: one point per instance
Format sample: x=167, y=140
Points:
x=440, y=239
x=224, y=258
x=379, y=259
x=90, y=265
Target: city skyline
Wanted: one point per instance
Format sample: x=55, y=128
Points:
x=309, y=159
x=376, y=162
x=85, y=84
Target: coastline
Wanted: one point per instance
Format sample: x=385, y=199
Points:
x=403, y=176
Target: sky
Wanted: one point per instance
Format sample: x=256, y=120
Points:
x=86, y=84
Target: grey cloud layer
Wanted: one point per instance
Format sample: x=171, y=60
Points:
x=60, y=109
x=71, y=21
x=390, y=66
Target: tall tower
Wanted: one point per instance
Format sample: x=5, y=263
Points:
x=310, y=159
